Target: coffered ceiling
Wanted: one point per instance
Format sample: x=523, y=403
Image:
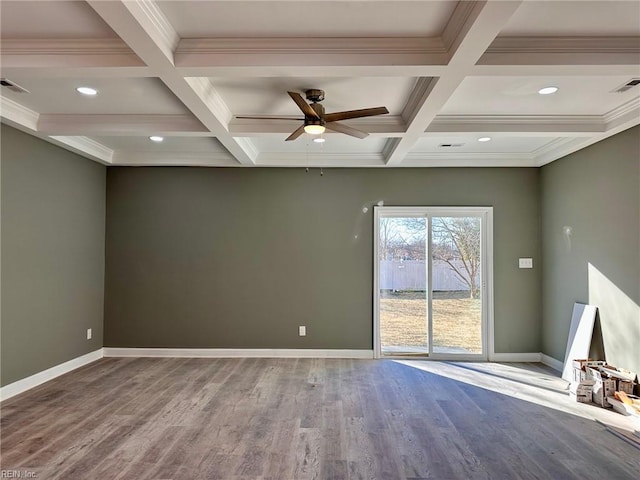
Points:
x=448, y=72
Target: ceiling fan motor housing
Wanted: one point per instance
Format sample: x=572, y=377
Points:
x=315, y=95
x=319, y=109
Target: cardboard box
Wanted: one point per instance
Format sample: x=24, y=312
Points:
x=625, y=386
x=580, y=375
x=581, y=391
x=579, y=364
x=580, y=398
x=601, y=390
x=620, y=373
x=596, y=373
x=595, y=363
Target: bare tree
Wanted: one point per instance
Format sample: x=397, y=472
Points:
x=398, y=241
x=388, y=237
x=456, y=241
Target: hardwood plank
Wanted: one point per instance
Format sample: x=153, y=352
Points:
x=298, y=419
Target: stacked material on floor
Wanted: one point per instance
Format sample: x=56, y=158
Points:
x=626, y=404
x=594, y=381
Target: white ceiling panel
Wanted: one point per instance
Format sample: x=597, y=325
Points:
x=115, y=96
x=51, y=19
x=569, y=18
x=518, y=96
x=306, y=19
x=268, y=95
x=470, y=144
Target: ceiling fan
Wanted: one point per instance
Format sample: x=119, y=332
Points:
x=316, y=120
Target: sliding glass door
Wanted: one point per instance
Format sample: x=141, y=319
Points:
x=432, y=281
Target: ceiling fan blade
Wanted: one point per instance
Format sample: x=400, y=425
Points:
x=296, y=133
x=269, y=117
x=364, y=112
x=303, y=105
x=342, y=128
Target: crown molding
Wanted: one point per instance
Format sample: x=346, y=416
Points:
x=453, y=31
x=64, y=46
x=207, y=93
x=417, y=98
x=389, y=147
x=139, y=159
x=527, y=125
x=540, y=44
x=248, y=146
x=336, y=160
x=550, y=148
x=69, y=52
x=157, y=26
x=562, y=149
x=310, y=51
x=627, y=108
x=18, y=114
x=614, y=52
x=311, y=45
x=453, y=159
x=84, y=146
x=125, y=125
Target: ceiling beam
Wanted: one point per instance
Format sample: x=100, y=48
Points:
x=139, y=159
x=143, y=27
x=471, y=29
x=549, y=50
x=517, y=125
x=286, y=56
x=57, y=53
x=121, y=125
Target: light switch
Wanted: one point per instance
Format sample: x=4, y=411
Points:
x=525, y=262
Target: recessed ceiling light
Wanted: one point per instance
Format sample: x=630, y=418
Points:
x=155, y=138
x=319, y=140
x=87, y=91
x=484, y=139
x=547, y=90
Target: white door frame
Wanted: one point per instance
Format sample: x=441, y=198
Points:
x=486, y=213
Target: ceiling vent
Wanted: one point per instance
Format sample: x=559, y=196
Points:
x=12, y=86
x=450, y=145
x=630, y=84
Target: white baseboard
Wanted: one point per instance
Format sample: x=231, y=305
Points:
x=515, y=357
x=39, y=378
x=551, y=362
x=237, y=352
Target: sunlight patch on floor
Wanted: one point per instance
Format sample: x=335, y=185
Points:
x=533, y=383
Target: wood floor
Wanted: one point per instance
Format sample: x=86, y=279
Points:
x=297, y=419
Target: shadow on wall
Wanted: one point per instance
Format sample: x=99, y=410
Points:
x=620, y=320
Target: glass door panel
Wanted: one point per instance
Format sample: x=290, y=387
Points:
x=402, y=285
x=431, y=276
x=456, y=285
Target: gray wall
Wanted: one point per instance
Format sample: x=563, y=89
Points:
x=53, y=212
x=214, y=257
x=595, y=192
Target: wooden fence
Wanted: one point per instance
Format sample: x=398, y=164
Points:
x=411, y=275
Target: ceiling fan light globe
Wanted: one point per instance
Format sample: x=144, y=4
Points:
x=314, y=129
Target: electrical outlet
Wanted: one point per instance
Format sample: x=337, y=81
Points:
x=302, y=331
x=89, y=334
